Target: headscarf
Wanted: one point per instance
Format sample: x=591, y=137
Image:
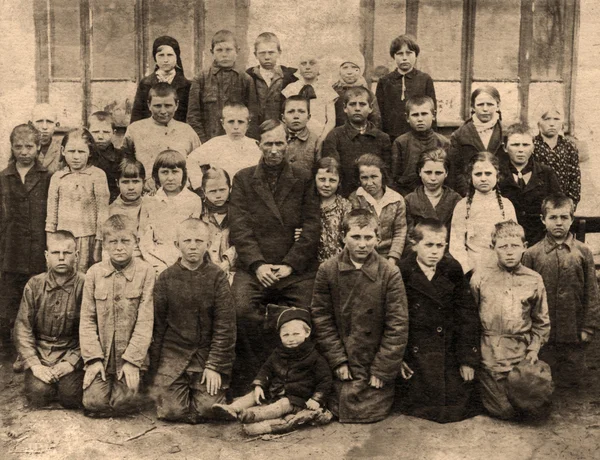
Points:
x=165, y=40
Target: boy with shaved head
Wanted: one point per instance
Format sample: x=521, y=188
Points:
x=44, y=117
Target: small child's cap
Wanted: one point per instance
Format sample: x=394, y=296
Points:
x=355, y=58
x=530, y=386
x=291, y=314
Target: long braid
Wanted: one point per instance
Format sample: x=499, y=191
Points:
x=500, y=202
x=470, y=200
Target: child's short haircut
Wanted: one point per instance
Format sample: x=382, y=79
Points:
x=234, y=106
x=221, y=36
x=192, y=223
x=162, y=89
x=60, y=235
x=118, y=223
x=426, y=224
x=370, y=159
x=329, y=164
x=102, y=115
x=215, y=173
x=488, y=89
x=131, y=168
x=171, y=159
x=269, y=125
x=518, y=128
x=507, y=229
x=26, y=129
x=296, y=98
x=78, y=133
x=267, y=37
x=402, y=40
x=557, y=200
x=356, y=91
x=416, y=101
x=437, y=155
x=360, y=218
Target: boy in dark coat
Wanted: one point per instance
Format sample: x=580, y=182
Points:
x=443, y=338
x=360, y=317
x=194, y=330
x=295, y=375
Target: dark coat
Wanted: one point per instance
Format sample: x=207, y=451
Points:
x=140, y=108
x=528, y=202
x=109, y=161
x=391, y=104
x=298, y=374
x=269, y=97
x=360, y=318
x=23, y=220
x=465, y=143
x=263, y=223
x=194, y=314
x=418, y=206
x=444, y=334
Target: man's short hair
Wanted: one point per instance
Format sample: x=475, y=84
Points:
x=557, y=200
x=507, y=229
x=234, y=106
x=416, y=101
x=426, y=224
x=221, y=36
x=26, y=129
x=267, y=37
x=402, y=40
x=162, y=89
x=360, y=218
x=356, y=91
x=270, y=125
x=102, y=115
x=436, y=154
x=60, y=235
x=518, y=128
x=193, y=223
x=296, y=98
x=118, y=223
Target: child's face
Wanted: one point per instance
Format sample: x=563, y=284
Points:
x=267, y=55
x=360, y=242
x=166, y=59
x=102, y=132
x=358, y=109
x=273, y=145
x=171, y=180
x=225, y=54
x=131, y=188
x=24, y=150
x=420, y=117
x=433, y=174
x=371, y=180
x=551, y=124
x=61, y=256
x=193, y=243
x=558, y=221
x=44, y=119
x=519, y=148
x=349, y=73
x=296, y=115
x=293, y=333
x=405, y=59
x=235, y=122
x=484, y=176
x=76, y=154
x=327, y=183
x=485, y=107
x=509, y=250
x=430, y=249
x=163, y=108
x=309, y=68
x=120, y=246
x=217, y=191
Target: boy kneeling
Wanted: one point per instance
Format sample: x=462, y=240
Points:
x=46, y=329
x=515, y=324
x=194, y=330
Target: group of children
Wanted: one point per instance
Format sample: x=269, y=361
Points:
x=426, y=298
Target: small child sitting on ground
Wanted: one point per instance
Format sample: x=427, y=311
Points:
x=296, y=376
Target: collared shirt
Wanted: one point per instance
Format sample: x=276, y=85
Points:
x=569, y=275
x=564, y=160
x=267, y=75
x=223, y=152
x=147, y=139
x=78, y=202
x=47, y=326
x=429, y=272
x=302, y=148
x=514, y=314
x=117, y=314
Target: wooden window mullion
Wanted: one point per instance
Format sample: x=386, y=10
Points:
x=412, y=17
x=569, y=71
x=367, y=29
x=85, y=49
x=525, y=51
x=467, y=53
x=42, y=57
x=199, y=35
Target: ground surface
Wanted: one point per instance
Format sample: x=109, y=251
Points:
x=573, y=432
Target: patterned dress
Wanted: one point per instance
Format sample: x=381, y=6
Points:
x=331, y=242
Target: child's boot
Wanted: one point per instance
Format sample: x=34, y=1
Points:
x=231, y=412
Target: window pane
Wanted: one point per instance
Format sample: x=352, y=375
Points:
x=113, y=39
x=176, y=19
x=440, y=46
x=390, y=21
x=65, y=39
x=497, y=30
x=448, y=103
x=548, y=40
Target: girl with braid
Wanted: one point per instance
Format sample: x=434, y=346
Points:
x=476, y=215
